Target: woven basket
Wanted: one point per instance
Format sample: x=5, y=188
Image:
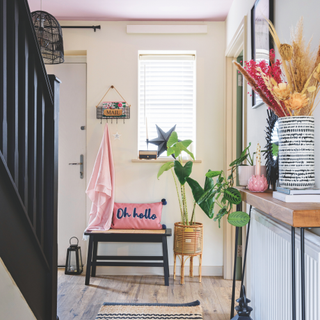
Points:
x=188, y=239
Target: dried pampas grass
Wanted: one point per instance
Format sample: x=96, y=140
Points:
x=281, y=50
x=303, y=58
x=301, y=68
x=299, y=65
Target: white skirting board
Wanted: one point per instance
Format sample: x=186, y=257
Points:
x=151, y=271
x=268, y=276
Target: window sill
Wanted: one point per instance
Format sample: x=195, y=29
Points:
x=159, y=160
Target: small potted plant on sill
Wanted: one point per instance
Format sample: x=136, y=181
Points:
x=245, y=171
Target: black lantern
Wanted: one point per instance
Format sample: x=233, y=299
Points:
x=49, y=36
x=74, y=259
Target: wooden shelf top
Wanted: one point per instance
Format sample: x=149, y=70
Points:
x=299, y=214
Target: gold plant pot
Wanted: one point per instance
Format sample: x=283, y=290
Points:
x=188, y=240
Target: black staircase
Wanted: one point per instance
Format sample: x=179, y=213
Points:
x=29, y=107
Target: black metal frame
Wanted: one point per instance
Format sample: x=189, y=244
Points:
x=239, y=208
x=93, y=257
x=293, y=268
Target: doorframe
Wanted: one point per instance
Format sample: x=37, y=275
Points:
x=237, y=44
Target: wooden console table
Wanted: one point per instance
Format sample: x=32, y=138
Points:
x=296, y=215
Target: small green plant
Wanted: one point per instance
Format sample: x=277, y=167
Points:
x=245, y=156
x=225, y=197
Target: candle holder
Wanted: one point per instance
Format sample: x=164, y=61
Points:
x=258, y=182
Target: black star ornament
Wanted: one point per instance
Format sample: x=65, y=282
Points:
x=162, y=139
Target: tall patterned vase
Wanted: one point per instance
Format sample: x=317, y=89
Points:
x=296, y=152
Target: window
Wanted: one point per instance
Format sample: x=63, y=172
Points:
x=167, y=96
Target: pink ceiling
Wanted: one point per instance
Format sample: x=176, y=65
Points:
x=130, y=10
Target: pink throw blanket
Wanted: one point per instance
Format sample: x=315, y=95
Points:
x=101, y=187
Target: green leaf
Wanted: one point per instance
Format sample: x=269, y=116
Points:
x=206, y=195
x=238, y=161
x=232, y=195
x=197, y=191
x=212, y=174
x=245, y=150
x=172, y=139
x=183, y=148
x=165, y=167
x=275, y=150
x=220, y=214
x=183, y=172
x=211, y=210
x=174, y=150
x=244, y=156
x=170, y=151
x=223, y=211
x=186, y=143
x=238, y=218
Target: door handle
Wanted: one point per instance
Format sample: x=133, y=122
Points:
x=79, y=164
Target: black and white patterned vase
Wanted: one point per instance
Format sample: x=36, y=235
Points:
x=296, y=152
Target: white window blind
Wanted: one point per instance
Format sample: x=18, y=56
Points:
x=166, y=96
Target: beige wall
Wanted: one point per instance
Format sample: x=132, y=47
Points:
x=112, y=59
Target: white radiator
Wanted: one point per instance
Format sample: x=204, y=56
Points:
x=268, y=279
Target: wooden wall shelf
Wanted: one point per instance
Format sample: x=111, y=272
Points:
x=301, y=215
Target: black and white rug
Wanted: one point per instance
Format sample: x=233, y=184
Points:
x=154, y=311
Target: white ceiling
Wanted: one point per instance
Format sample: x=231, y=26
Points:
x=131, y=10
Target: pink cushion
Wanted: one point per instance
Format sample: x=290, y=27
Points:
x=137, y=215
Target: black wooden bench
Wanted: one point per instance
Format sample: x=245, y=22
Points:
x=120, y=235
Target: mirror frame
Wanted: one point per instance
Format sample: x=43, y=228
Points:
x=253, y=38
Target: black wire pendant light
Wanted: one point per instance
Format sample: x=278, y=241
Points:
x=49, y=35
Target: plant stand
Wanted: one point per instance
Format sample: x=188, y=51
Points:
x=183, y=261
x=188, y=242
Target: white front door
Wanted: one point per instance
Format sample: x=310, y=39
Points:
x=71, y=187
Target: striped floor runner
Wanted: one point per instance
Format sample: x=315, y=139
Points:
x=154, y=311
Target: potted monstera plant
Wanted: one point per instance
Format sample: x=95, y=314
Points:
x=218, y=189
x=188, y=234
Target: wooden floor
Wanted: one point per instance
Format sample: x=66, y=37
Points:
x=77, y=301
